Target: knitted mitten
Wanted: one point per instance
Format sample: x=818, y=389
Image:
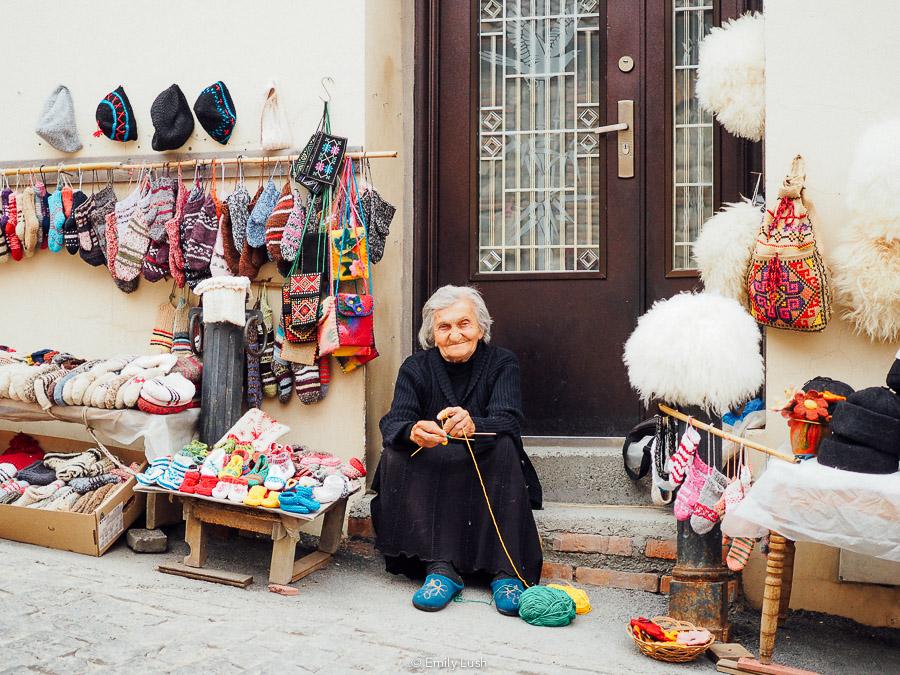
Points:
x=690, y=489
x=277, y=220
x=31, y=224
x=291, y=239
x=57, y=222
x=254, y=382
x=16, y=251
x=230, y=253
x=199, y=231
x=88, y=243
x=238, y=208
x=703, y=515
x=307, y=383
x=112, y=252
x=683, y=456
x=70, y=227
x=256, y=223
x=739, y=553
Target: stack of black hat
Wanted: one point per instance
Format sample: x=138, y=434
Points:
x=866, y=430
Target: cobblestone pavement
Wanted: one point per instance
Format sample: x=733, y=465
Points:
x=66, y=613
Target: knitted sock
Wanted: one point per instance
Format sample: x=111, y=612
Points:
x=35, y=494
x=161, y=339
x=11, y=490
x=238, y=203
x=277, y=220
x=133, y=234
x=217, y=265
x=69, y=465
x=4, y=220
x=70, y=227
x=254, y=382
x=57, y=221
x=104, y=203
x=199, y=229
x=284, y=376
x=291, y=239
x=112, y=252
x=703, y=515
x=42, y=210
x=739, y=553
x=736, y=489
x=37, y=474
x=690, y=489
x=230, y=253
x=88, y=244
x=91, y=483
x=153, y=472
x=98, y=497
x=683, y=456
x=16, y=251
x=307, y=383
x=266, y=359
x=252, y=259
x=32, y=225
x=181, y=341
x=256, y=223
x=44, y=386
x=173, y=235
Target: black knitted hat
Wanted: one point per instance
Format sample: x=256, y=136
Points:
x=216, y=112
x=867, y=427
x=878, y=399
x=839, y=453
x=172, y=119
x=893, y=378
x=115, y=117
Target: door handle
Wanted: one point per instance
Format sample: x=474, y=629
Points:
x=625, y=141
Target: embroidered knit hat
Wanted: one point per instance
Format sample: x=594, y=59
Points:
x=172, y=120
x=115, y=117
x=56, y=124
x=216, y=112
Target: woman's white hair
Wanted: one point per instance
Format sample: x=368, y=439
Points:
x=442, y=298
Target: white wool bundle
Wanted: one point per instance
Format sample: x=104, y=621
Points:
x=731, y=75
x=724, y=247
x=695, y=349
x=865, y=262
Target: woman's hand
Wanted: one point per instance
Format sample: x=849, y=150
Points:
x=457, y=422
x=427, y=434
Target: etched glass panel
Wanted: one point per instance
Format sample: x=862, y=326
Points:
x=692, y=170
x=539, y=202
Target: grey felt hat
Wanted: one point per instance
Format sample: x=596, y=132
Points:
x=56, y=125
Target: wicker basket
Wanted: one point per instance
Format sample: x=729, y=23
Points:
x=670, y=651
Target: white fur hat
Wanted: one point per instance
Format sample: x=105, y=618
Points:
x=724, y=247
x=731, y=75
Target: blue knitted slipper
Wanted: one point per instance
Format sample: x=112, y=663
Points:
x=506, y=594
x=436, y=593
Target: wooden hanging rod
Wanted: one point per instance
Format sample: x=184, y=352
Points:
x=174, y=164
x=671, y=412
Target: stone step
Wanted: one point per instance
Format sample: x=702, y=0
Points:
x=585, y=471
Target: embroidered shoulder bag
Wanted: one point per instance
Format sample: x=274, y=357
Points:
x=301, y=295
x=318, y=165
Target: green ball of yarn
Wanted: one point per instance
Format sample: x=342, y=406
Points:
x=544, y=606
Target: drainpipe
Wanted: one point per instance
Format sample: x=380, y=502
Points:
x=698, y=591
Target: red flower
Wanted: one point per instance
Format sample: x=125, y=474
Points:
x=810, y=406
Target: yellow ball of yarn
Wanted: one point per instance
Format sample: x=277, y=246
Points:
x=580, y=597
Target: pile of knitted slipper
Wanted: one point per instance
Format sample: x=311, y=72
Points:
x=150, y=383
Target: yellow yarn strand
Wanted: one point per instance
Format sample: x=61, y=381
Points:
x=579, y=597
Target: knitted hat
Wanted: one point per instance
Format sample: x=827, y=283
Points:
x=37, y=474
x=56, y=124
x=822, y=384
x=216, y=112
x=115, y=117
x=877, y=399
x=893, y=378
x=172, y=120
x=839, y=453
x=867, y=427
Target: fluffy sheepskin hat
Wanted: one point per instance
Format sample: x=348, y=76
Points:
x=866, y=260
x=724, y=247
x=695, y=349
x=731, y=75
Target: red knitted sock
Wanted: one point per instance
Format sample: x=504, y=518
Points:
x=277, y=220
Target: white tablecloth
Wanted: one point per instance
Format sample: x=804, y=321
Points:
x=808, y=502
x=161, y=434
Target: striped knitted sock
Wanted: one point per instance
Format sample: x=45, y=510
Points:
x=683, y=456
x=42, y=209
x=112, y=253
x=11, y=490
x=69, y=465
x=90, y=483
x=161, y=339
x=173, y=235
x=739, y=553
x=277, y=220
x=199, y=233
x=16, y=252
x=70, y=227
x=181, y=341
x=88, y=243
x=31, y=224
x=134, y=236
x=4, y=221
x=57, y=221
x=291, y=240
x=267, y=358
x=4, y=247
x=254, y=383
x=307, y=383
x=282, y=369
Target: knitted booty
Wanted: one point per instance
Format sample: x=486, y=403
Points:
x=332, y=489
x=703, y=515
x=690, y=489
x=133, y=232
x=737, y=488
x=91, y=483
x=307, y=383
x=55, y=239
x=277, y=220
x=30, y=221
x=739, y=553
x=162, y=337
x=324, y=375
x=292, y=238
x=230, y=253
x=256, y=223
x=238, y=203
x=254, y=381
x=70, y=227
x=680, y=461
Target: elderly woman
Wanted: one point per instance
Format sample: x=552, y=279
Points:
x=431, y=515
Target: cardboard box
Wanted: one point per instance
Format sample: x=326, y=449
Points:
x=88, y=533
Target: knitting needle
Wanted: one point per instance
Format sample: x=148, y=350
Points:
x=455, y=438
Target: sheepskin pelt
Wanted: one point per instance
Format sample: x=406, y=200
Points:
x=865, y=261
x=731, y=75
x=695, y=349
x=724, y=247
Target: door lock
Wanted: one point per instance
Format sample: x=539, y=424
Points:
x=625, y=140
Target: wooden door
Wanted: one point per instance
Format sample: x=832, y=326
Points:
x=521, y=195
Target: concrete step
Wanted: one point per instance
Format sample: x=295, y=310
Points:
x=585, y=471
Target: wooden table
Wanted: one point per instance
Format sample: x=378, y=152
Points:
x=284, y=528
x=777, y=593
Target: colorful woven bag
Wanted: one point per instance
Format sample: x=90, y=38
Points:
x=319, y=162
x=300, y=296
x=787, y=280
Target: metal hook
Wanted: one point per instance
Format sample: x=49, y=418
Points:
x=325, y=79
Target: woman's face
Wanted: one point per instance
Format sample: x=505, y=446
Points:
x=456, y=331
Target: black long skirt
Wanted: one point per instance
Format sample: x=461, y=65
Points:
x=431, y=507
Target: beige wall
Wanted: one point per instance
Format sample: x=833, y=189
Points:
x=827, y=79
x=54, y=300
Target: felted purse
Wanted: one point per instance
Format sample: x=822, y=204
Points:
x=319, y=163
x=787, y=280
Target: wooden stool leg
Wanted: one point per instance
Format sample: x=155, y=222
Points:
x=771, y=597
x=195, y=535
x=332, y=527
x=787, y=581
x=284, y=548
